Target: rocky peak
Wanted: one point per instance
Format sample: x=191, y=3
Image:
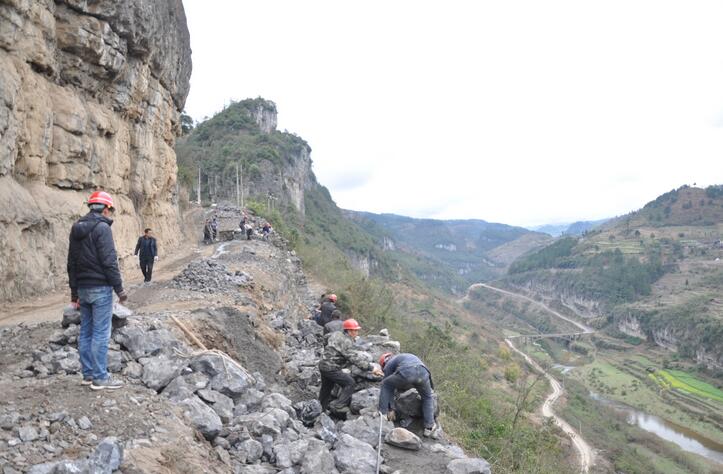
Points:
x=265, y=115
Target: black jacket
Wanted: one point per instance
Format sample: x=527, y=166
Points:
x=92, y=259
x=146, y=247
x=326, y=309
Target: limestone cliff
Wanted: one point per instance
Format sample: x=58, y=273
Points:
x=90, y=97
x=271, y=162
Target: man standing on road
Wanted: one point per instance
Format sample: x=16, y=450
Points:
x=402, y=372
x=147, y=253
x=93, y=275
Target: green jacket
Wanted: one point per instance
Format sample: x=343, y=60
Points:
x=340, y=352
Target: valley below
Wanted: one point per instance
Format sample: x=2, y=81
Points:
x=621, y=402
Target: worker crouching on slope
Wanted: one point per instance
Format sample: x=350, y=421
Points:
x=402, y=372
x=338, y=354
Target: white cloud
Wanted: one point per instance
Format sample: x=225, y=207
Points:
x=520, y=112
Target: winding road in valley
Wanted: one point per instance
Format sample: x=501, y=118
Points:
x=585, y=451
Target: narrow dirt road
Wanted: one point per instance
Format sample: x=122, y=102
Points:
x=583, y=328
x=585, y=451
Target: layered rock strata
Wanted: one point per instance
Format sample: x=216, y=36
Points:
x=90, y=98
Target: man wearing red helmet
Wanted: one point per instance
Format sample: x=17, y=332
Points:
x=93, y=274
x=338, y=354
x=402, y=372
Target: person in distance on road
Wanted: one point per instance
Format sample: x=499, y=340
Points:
x=339, y=353
x=214, y=227
x=266, y=231
x=207, y=232
x=402, y=372
x=93, y=275
x=147, y=253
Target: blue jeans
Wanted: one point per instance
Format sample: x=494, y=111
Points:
x=411, y=376
x=96, y=314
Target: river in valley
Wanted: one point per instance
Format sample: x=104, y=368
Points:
x=683, y=437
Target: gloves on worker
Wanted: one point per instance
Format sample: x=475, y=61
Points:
x=155, y=259
x=391, y=416
x=122, y=297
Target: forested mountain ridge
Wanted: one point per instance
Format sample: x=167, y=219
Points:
x=655, y=274
x=451, y=254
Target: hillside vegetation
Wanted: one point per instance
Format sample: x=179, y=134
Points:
x=657, y=270
x=486, y=397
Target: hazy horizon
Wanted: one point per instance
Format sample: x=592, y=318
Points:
x=520, y=113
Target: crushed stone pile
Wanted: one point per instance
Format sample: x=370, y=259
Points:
x=210, y=276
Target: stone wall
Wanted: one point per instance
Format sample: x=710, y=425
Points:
x=90, y=97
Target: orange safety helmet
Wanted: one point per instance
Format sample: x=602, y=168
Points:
x=384, y=357
x=332, y=298
x=350, y=324
x=101, y=197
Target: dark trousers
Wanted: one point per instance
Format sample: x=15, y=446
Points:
x=147, y=268
x=328, y=379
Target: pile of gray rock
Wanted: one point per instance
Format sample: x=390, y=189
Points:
x=252, y=426
x=210, y=276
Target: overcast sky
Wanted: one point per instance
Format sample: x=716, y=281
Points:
x=521, y=112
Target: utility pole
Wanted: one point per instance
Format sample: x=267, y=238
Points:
x=238, y=194
x=242, y=187
x=199, y=185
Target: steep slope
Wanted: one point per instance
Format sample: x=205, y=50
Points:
x=90, y=97
x=655, y=273
x=481, y=388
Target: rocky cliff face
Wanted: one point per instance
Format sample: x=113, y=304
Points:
x=90, y=97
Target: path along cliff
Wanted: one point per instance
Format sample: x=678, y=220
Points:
x=245, y=405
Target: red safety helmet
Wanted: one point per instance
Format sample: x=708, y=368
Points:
x=350, y=324
x=332, y=298
x=384, y=357
x=101, y=197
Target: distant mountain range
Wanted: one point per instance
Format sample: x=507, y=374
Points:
x=451, y=253
x=575, y=228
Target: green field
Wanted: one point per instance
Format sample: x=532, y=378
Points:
x=683, y=381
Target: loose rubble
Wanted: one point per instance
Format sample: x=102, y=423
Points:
x=246, y=422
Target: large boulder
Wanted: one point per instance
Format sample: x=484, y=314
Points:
x=70, y=316
x=353, y=456
x=220, y=403
x=159, y=371
x=408, y=404
x=308, y=411
x=107, y=457
x=203, y=418
x=318, y=459
x=402, y=438
x=141, y=342
x=366, y=398
x=469, y=466
x=366, y=428
x=327, y=430
x=225, y=376
x=250, y=450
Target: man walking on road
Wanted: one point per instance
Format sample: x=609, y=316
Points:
x=147, y=253
x=93, y=275
x=402, y=372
